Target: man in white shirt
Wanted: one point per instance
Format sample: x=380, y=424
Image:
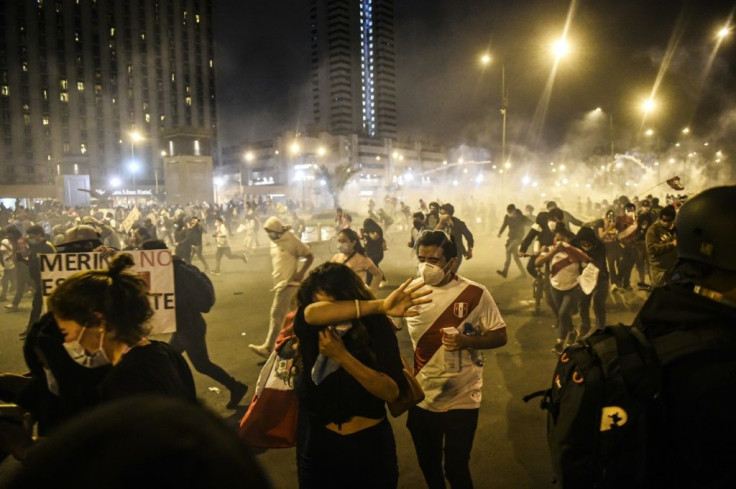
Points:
x=223, y=245
x=449, y=368
x=286, y=252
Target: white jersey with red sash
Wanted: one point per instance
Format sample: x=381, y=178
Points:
x=455, y=304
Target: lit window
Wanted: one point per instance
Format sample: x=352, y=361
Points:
x=64, y=84
x=45, y=121
x=83, y=148
x=5, y=90
x=212, y=63
x=130, y=69
x=64, y=97
x=196, y=18
x=25, y=65
x=148, y=117
x=45, y=94
x=173, y=76
x=188, y=101
x=112, y=32
x=80, y=86
x=143, y=37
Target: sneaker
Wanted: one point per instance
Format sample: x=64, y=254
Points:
x=11, y=307
x=237, y=392
x=245, y=258
x=501, y=273
x=260, y=350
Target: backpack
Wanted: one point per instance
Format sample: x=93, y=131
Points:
x=604, y=390
x=608, y=407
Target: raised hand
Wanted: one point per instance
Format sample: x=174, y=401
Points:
x=401, y=300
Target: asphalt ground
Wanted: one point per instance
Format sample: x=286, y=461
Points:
x=510, y=448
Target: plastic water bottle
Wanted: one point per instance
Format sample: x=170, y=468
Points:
x=476, y=356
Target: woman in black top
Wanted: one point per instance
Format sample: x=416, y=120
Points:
x=349, y=366
x=103, y=315
x=375, y=244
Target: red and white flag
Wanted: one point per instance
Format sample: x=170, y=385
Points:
x=675, y=183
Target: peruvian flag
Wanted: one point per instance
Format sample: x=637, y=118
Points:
x=675, y=183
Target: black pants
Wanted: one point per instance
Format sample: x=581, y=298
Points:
x=598, y=297
x=452, y=432
x=196, y=347
x=363, y=460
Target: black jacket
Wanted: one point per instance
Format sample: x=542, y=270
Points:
x=194, y=295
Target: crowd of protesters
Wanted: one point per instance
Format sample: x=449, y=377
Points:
x=111, y=345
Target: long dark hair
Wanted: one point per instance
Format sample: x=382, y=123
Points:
x=121, y=298
x=341, y=283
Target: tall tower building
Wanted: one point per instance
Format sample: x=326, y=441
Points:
x=96, y=82
x=353, y=67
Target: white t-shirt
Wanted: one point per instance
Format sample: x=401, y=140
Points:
x=285, y=254
x=221, y=236
x=456, y=303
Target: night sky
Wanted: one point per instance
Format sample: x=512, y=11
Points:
x=262, y=54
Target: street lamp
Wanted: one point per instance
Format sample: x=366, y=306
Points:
x=485, y=61
x=134, y=167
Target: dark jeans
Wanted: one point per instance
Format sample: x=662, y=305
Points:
x=22, y=280
x=196, y=347
x=376, y=258
x=225, y=251
x=613, y=257
x=197, y=251
x=566, y=301
x=512, y=251
x=451, y=432
x=363, y=460
x=598, y=297
x=628, y=258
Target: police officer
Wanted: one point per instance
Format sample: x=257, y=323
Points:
x=694, y=318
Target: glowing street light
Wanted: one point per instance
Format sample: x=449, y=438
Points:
x=115, y=182
x=649, y=132
x=686, y=130
x=249, y=156
x=321, y=151
x=648, y=106
x=560, y=48
x=485, y=60
x=724, y=32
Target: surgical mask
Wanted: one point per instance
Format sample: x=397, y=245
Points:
x=97, y=358
x=343, y=248
x=431, y=274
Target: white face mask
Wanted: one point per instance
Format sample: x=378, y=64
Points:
x=97, y=358
x=431, y=274
x=343, y=248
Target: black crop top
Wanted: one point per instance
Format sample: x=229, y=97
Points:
x=339, y=396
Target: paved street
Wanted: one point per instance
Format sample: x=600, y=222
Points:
x=510, y=446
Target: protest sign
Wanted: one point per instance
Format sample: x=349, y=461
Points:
x=155, y=267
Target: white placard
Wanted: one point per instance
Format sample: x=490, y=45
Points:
x=155, y=267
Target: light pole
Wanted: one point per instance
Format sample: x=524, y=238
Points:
x=486, y=60
x=135, y=137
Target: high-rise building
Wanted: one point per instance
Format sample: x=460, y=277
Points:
x=353, y=67
x=92, y=84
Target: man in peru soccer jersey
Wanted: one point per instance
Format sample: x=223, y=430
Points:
x=449, y=367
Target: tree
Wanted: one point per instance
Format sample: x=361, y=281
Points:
x=335, y=180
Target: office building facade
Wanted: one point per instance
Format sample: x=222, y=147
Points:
x=353, y=67
x=89, y=86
